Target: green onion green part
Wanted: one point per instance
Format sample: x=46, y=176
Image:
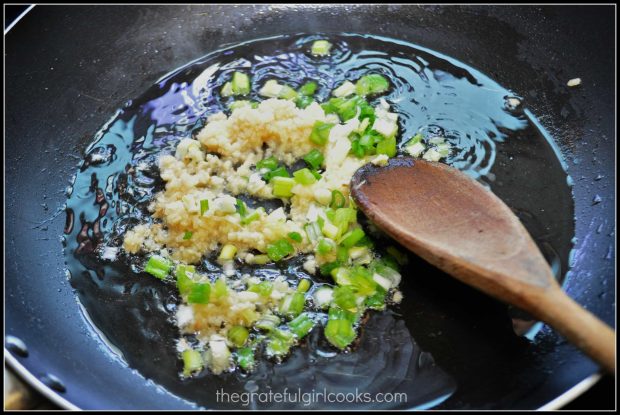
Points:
x=314, y=159
x=192, y=362
x=245, y=358
x=238, y=335
x=308, y=89
x=321, y=48
x=295, y=236
x=280, y=249
x=304, y=176
x=301, y=325
x=282, y=186
x=204, y=206
x=158, y=266
x=320, y=132
x=240, y=83
x=372, y=84
x=340, y=333
x=338, y=199
x=199, y=294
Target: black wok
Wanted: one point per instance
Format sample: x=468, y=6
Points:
x=69, y=68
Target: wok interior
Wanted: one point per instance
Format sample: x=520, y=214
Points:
x=491, y=366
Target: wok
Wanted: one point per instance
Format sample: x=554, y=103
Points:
x=69, y=68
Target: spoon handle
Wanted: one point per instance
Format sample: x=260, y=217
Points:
x=577, y=325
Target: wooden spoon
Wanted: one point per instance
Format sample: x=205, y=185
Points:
x=456, y=224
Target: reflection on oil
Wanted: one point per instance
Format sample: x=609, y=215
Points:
x=494, y=141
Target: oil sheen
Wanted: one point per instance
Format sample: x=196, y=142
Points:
x=493, y=138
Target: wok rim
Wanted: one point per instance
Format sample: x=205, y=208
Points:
x=556, y=403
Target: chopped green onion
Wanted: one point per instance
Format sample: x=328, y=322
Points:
x=321, y=47
x=242, y=104
x=277, y=172
x=271, y=89
x=184, y=282
x=338, y=199
x=303, y=286
x=362, y=281
x=228, y=252
x=158, y=266
x=345, y=298
x=240, y=83
x=340, y=333
x=366, y=241
x=356, y=149
x=342, y=254
x=204, y=206
x=436, y=140
x=327, y=268
x=295, y=236
x=381, y=281
x=325, y=246
x=270, y=163
x=279, y=343
x=323, y=296
x=320, y=132
x=308, y=89
x=220, y=289
x=360, y=254
x=371, y=84
x=330, y=230
x=303, y=101
x=316, y=174
x=301, y=325
x=199, y=294
x=384, y=270
x=267, y=322
x=377, y=300
x=264, y=288
x=245, y=358
x=241, y=207
x=369, y=139
x=365, y=122
x=344, y=90
x=432, y=155
x=387, y=147
x=227, y=89
x=251, y=217
x=187, y=235
x=351, y=238
x=304, y=176
x=238, y=335
x=260, y=259
x=443, y=149
x=292, y=304
x=192, y=362
x=415, y=139
x=330, y=213
x=341, y=275
x=347, y=108
x=287, y=92
x=279, y=249
x=314, y=159
x=313, y=230
x=282, y=186
x=367, y=113
x=337, y=313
